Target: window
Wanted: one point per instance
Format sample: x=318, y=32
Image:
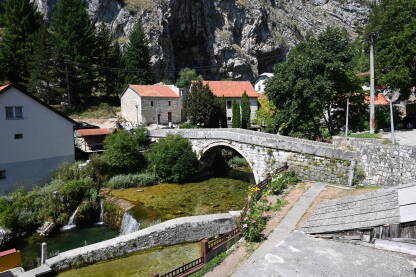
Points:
x=151, y=103
x=14, y=112
x=229, y=104
x=228, y=118
x=169, y=103
x=18, y=136
x=2, y=174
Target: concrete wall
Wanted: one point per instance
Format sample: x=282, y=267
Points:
x=179, y=230
x=47, y=141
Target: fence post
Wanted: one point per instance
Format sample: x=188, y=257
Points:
x=44, y=253
x=154, y=274
x=204, y=250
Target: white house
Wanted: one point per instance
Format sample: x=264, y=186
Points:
x=151, y=104
x=233, y=90
x=261, y=82
x=34, y=140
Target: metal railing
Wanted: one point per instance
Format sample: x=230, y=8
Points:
x=185, y=268
x=221, y=239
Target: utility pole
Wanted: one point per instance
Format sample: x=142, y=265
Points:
x=67, y=83
x=347, y=116
x=373, y=37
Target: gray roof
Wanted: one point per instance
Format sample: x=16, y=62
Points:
x=355, y=212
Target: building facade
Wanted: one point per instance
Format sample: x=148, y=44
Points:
x=34, y=140
x=233, y=91
x=261, y=82
x=151, y=104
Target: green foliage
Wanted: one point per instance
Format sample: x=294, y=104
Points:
x=123, y=150
x=73, y=39
x=88, y=212
x=245, y=111
x=395, y=23
x=188, y=125
x=222, y=112
x=21, y=21
x=186, y=76
x=253, y=222
x=201, y=106
x=75, y=191
x=306, y=88
x=131, y=180
x=69, y=171
x=172, y=159
x=366, y=135
x=237, y=162
x=266, y=114
x=279, y=205
x=281, y=181
x=236, y=119
x=137, y=58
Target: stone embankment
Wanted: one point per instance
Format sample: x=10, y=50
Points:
x=179, y=230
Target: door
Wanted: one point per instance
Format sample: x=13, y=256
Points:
x=158, y=119
x=169, y=117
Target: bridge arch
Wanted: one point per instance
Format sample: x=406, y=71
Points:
x=223, y=143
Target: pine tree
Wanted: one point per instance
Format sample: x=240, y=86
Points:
x=245, y=111
x=41, y=68
x=73, y=37
x=136, y=58
x=21, y=21
x=108, y=55
x=236, y=120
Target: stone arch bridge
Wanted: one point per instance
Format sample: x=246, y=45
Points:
x=315, y=161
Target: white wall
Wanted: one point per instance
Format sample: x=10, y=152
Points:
x=253, y=108
x=129, y=111
x=45, y=133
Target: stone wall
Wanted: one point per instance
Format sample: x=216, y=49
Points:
x=179, y=230
x=351, y=143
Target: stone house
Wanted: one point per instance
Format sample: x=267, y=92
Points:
x=151, y=104
x=34, y=139
x=233, y=90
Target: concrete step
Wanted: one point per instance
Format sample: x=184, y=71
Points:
x=402, y=247
x=39, y=271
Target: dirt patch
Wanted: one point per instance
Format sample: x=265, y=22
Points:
x=330, y=193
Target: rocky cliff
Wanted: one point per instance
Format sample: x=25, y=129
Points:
x=222, y=38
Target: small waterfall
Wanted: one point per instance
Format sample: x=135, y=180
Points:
x=128, y=224
x=101, y=222
x=70, y=224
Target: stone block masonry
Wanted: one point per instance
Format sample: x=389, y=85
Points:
x=179, y=230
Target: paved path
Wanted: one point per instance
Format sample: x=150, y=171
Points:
x=257, y=264
x=403, y=137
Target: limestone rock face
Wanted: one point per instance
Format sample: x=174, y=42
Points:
x=235, y=39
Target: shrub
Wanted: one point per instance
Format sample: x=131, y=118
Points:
x=76, y=190
x=123, y=150
x=98, y=169
x=172, y=159
x=235, y=162
x=69, y=171
x=188, y=125
x=281, y=181
x=253, y=222
x=131, y=180
x=88, y=212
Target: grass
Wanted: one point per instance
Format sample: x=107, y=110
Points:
x=367, y=187
x=142, y=263
x=366, y=135
x=102, y=111
x=167, y=201
x=210, y=265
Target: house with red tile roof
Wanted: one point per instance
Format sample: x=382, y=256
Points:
x=91, y=140
x=233, y=91
x=151, y=104
x=35, y=139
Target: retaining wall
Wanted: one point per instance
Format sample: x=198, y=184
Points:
x=179, y=230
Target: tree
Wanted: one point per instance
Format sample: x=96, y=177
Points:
x=186, y=76
x=395, y=50
x=307, y=86
x=42, y=67
x=222, y=111
x=265, y=115
x=201, y=106
x=73, y=37
x=108, y=54
x=245, y=111
x=236, y=120
x=123, y=150
x=21, y=22
x=172, y=159
x=136, y=58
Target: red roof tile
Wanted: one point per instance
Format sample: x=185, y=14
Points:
x=379, y=99
x=93, y=132
x=5, y=86
x=154, y=91
x=360, y=74
x=8, y=252
x=231, y=88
